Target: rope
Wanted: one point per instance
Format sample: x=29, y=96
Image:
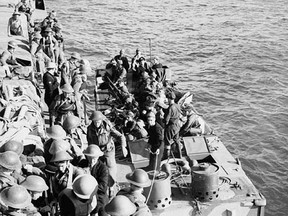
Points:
x=154, y=174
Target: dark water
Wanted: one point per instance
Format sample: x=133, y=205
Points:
x=231, y=54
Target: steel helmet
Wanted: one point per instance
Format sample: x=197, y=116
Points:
x=51, y=65
x=71, y=122
x=10, y=160
x=75, y=55
x=139, y=178
x=16, y=197
x=67, y=88
x=84, y=186
x=12, y=44
x=59, y=145
x=93, y=151
x=48, y=29
x=61, y=156
x=120, y=205
x=39, y=36
x=96, y=116
x=56, y=132
x=13, y=145
x=35, y=183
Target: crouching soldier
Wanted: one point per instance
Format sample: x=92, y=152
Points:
x=79, y=200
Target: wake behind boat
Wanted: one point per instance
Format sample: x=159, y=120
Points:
x=48, y=128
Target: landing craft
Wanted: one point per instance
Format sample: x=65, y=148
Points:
x=206, y=181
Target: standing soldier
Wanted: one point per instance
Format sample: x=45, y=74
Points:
x=8, y=60
x=76, y=131
x=156, y=137
x=100, y=132
x=50, y=45
x=172, y=125
x=51, y=85
x=100, y=172
x=79, y=200
x=65, y=104
x=65, y=173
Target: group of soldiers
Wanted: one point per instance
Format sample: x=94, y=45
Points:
x=75, y=174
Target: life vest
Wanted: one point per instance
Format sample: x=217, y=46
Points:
x=81, y=208
x=102, y=136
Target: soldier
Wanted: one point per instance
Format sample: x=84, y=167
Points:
x=70, y=67
x=124, y=59
x=49, y=45
x=138, y=179
x=100, y=132
x=100, y=172
x=55, y=132
x=65, y=104
x=81, y=199
x=59, y=141
x=194, y=125
x=76, y=131
x=172, y=125
x=156, y=137
x=16, y=200
x=26, y=161
x=51, y=85
x=120, y=206
x=65, y=173
x=14, y=25
x=8, y=60
x=36, y=185
x=10, y=166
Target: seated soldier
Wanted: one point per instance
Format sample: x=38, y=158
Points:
x=50, y=20
x=134, y=128
x=14, y=25
x=8, y=60
x=195, y=124
x=124, y=59
x=66, y=104
x=24, y=6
